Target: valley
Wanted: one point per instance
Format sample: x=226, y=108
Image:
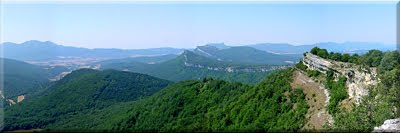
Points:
x=206, y=90
x=194, y=66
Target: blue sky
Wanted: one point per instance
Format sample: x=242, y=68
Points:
x=186, y=25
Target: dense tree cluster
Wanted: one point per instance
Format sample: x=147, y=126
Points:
x=81, y=92
x=323, y=53
x=194, y=105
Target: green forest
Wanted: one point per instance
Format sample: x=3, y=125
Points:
x=112, y=100
x=194, y=105
x=79, y=93
x=175, y=69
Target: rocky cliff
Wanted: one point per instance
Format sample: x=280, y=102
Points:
x=359, y=78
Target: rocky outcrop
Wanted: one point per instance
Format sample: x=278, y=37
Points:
x=358, y=78
x=392, y=125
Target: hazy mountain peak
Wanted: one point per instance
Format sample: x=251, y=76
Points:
x=36, y=42
x=218, y=45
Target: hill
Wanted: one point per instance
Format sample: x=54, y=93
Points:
x=195, y=105
x=190, y=66
x=80, y=93
x=214, y=105
x=324, y=92
x=20, y=77
x=243, y=55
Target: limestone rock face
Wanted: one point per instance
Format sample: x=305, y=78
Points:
x=391, y=125
x=358, y=78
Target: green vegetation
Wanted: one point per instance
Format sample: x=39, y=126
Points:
x=248, y=55
x=21, y=78
x=379, y=104
x=337, y=91
x=301, y=66
x=371, y=59
x=80, y=93
x=313, y=73
x=323, y=53
x=214, y=105
x=86, y=99
x=310, y=73
x=175, y=69
x=115, y=100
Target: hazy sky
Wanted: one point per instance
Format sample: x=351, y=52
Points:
x=186, y=25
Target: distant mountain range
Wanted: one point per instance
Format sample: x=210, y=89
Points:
x=294, y=99
x=39, y=51
x=190, y=66
x=244, y=55
x=346, y=47
x=51, y=54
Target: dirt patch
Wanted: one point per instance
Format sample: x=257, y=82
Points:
x=347, y=104
x=317, y=99
x=20, y=98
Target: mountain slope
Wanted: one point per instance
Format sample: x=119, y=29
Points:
x=21, y=78
x=284, y=101
x=190, y=66
x=150, y=59
x=362, y=91
x=244, y=55
x=214, y=105
x=81, y=92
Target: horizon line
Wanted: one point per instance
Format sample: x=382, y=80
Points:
x=231, y=45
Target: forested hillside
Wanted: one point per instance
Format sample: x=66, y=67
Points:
x=80, y=93
x=214, y=105
x=112, y=100
x=20, y=77
x=244, y=55
x=204, y=105
x=190, y=66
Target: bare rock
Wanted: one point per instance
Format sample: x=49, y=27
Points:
x=391, y=125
